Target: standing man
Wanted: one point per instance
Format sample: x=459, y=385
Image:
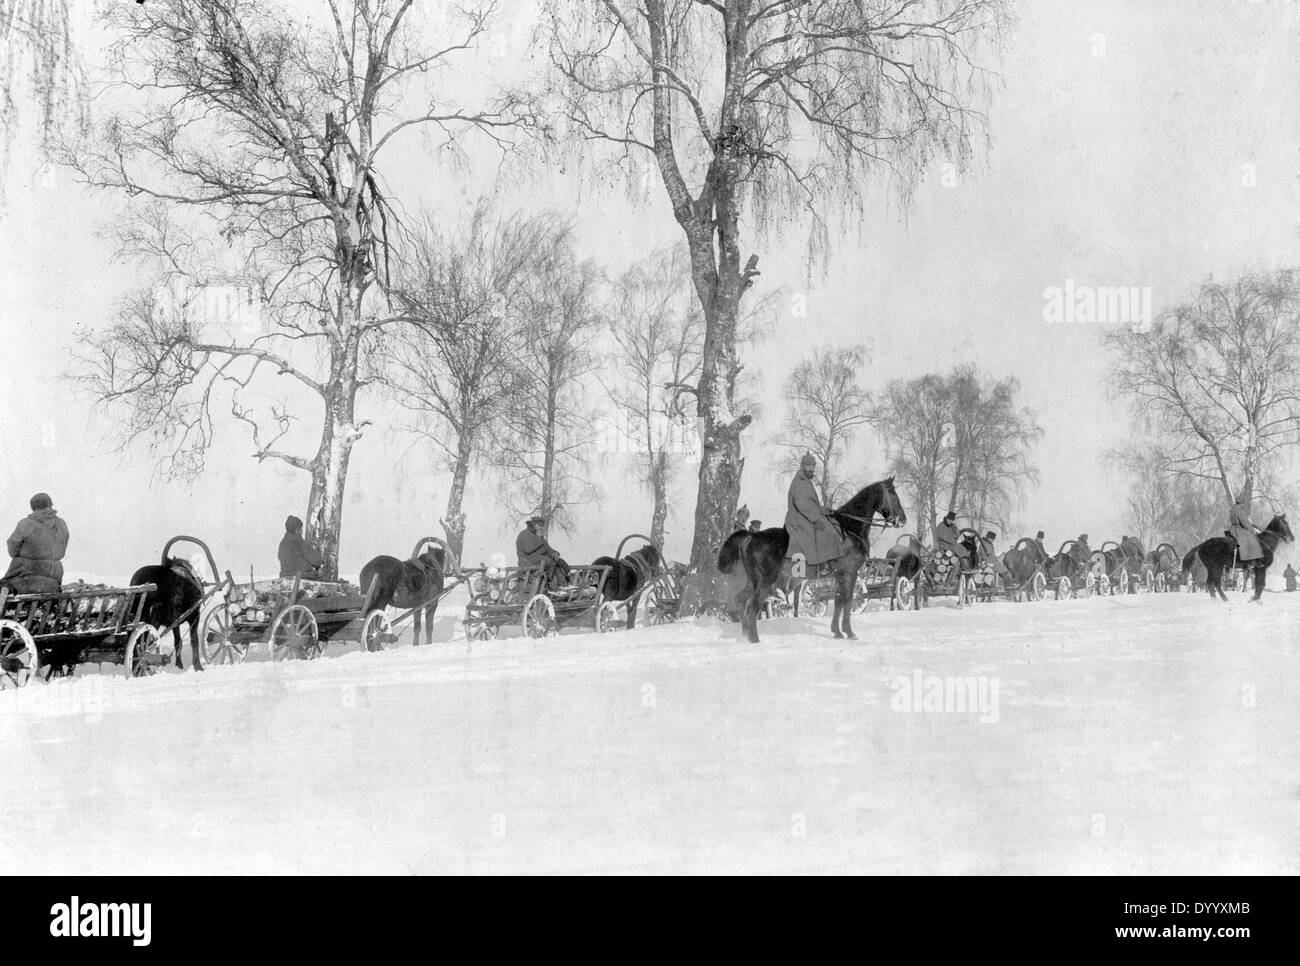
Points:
x=36, y=549
x=1243, y=529
x=1289, y=574
x=298, y=558
x=812, y=531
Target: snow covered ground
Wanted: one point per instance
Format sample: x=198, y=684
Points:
x=1136, y=735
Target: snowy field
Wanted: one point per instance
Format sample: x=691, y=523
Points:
x=1136, y=735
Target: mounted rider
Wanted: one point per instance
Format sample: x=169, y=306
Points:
x=1249, y=549
x=813, y=532
x=946, y=537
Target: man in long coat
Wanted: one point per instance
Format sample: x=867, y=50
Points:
x=1243, y=529
x=37, y=547
x=812, y=530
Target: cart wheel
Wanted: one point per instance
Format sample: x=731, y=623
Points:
x=905, y=593
x=539, y=617
x=294, y=636
x=217, y=637
x=1160, y=583
x=143, y=656
x=607, y=618
x=19, y=660
x=377, y=631
x=660, y=603
x=1123, y=583
x=477, y=626
x=1064, y=590
x=1089, y=585
x=1038, y=587
x=810, y=602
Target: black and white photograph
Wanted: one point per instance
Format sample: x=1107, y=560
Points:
x=650, y=437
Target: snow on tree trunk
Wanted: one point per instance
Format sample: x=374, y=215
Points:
x=454, y=522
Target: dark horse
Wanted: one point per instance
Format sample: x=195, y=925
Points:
x=629, y=574
x=1218, y=554
x=415, y=585
x=763, y=555
x=179, y=593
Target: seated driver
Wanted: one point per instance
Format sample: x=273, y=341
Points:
x=533, y=550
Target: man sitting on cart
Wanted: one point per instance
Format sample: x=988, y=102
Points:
x=988, y=550
x=36, y=549
x=1131, y=547
x=298, y=558
x=946, y=537
x=1081, y=553
x=533, y=550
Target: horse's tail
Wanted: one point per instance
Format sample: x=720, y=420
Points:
x=371, y=592
x=1188, y=559
x=730, y=553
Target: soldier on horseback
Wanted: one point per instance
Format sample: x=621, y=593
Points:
x=813, y=532
x=1249, y=550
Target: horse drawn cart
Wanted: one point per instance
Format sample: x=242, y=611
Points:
x=1164, y=563
x=58, y=631
x=296, y=617
x=540, y=603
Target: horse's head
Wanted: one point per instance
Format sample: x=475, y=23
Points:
x=880, y=497
x=185, y=570
x=650, y=556
x=434, y=560
x=1279, y=526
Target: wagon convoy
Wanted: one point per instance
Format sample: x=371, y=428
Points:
x=42, y=635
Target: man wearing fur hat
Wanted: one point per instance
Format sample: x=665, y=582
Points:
x=1243, y=528
x=813, y=532
x=36, y=550
x=297, y=556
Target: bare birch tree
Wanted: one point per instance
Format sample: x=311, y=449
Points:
x=658, y=334
x=826, y=405
x=456, y=366
x=754, y=112
x=549, y=430
x=1215, y=381
x=262, y=135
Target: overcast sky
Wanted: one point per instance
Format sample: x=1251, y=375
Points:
x=1131, y=144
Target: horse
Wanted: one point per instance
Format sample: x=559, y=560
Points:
x=1022, y=560
x=1219, y=553
x=414, y=584
x=763, y=556
x=629, y=574
x=179, y=592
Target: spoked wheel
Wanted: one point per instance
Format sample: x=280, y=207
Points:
x=539, y=617
x=660, y=604
x=477, y=628
x=19, y=660
x=1064, y=589
x=607, y=618
x=143, y=655
x=217, y=637
x=905, y=593
x=294, y=635
x=1123, y=583
x=809, y=601
x=377, y=631
x=1038, y=587
x=1160, y=583
x=776, y=605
